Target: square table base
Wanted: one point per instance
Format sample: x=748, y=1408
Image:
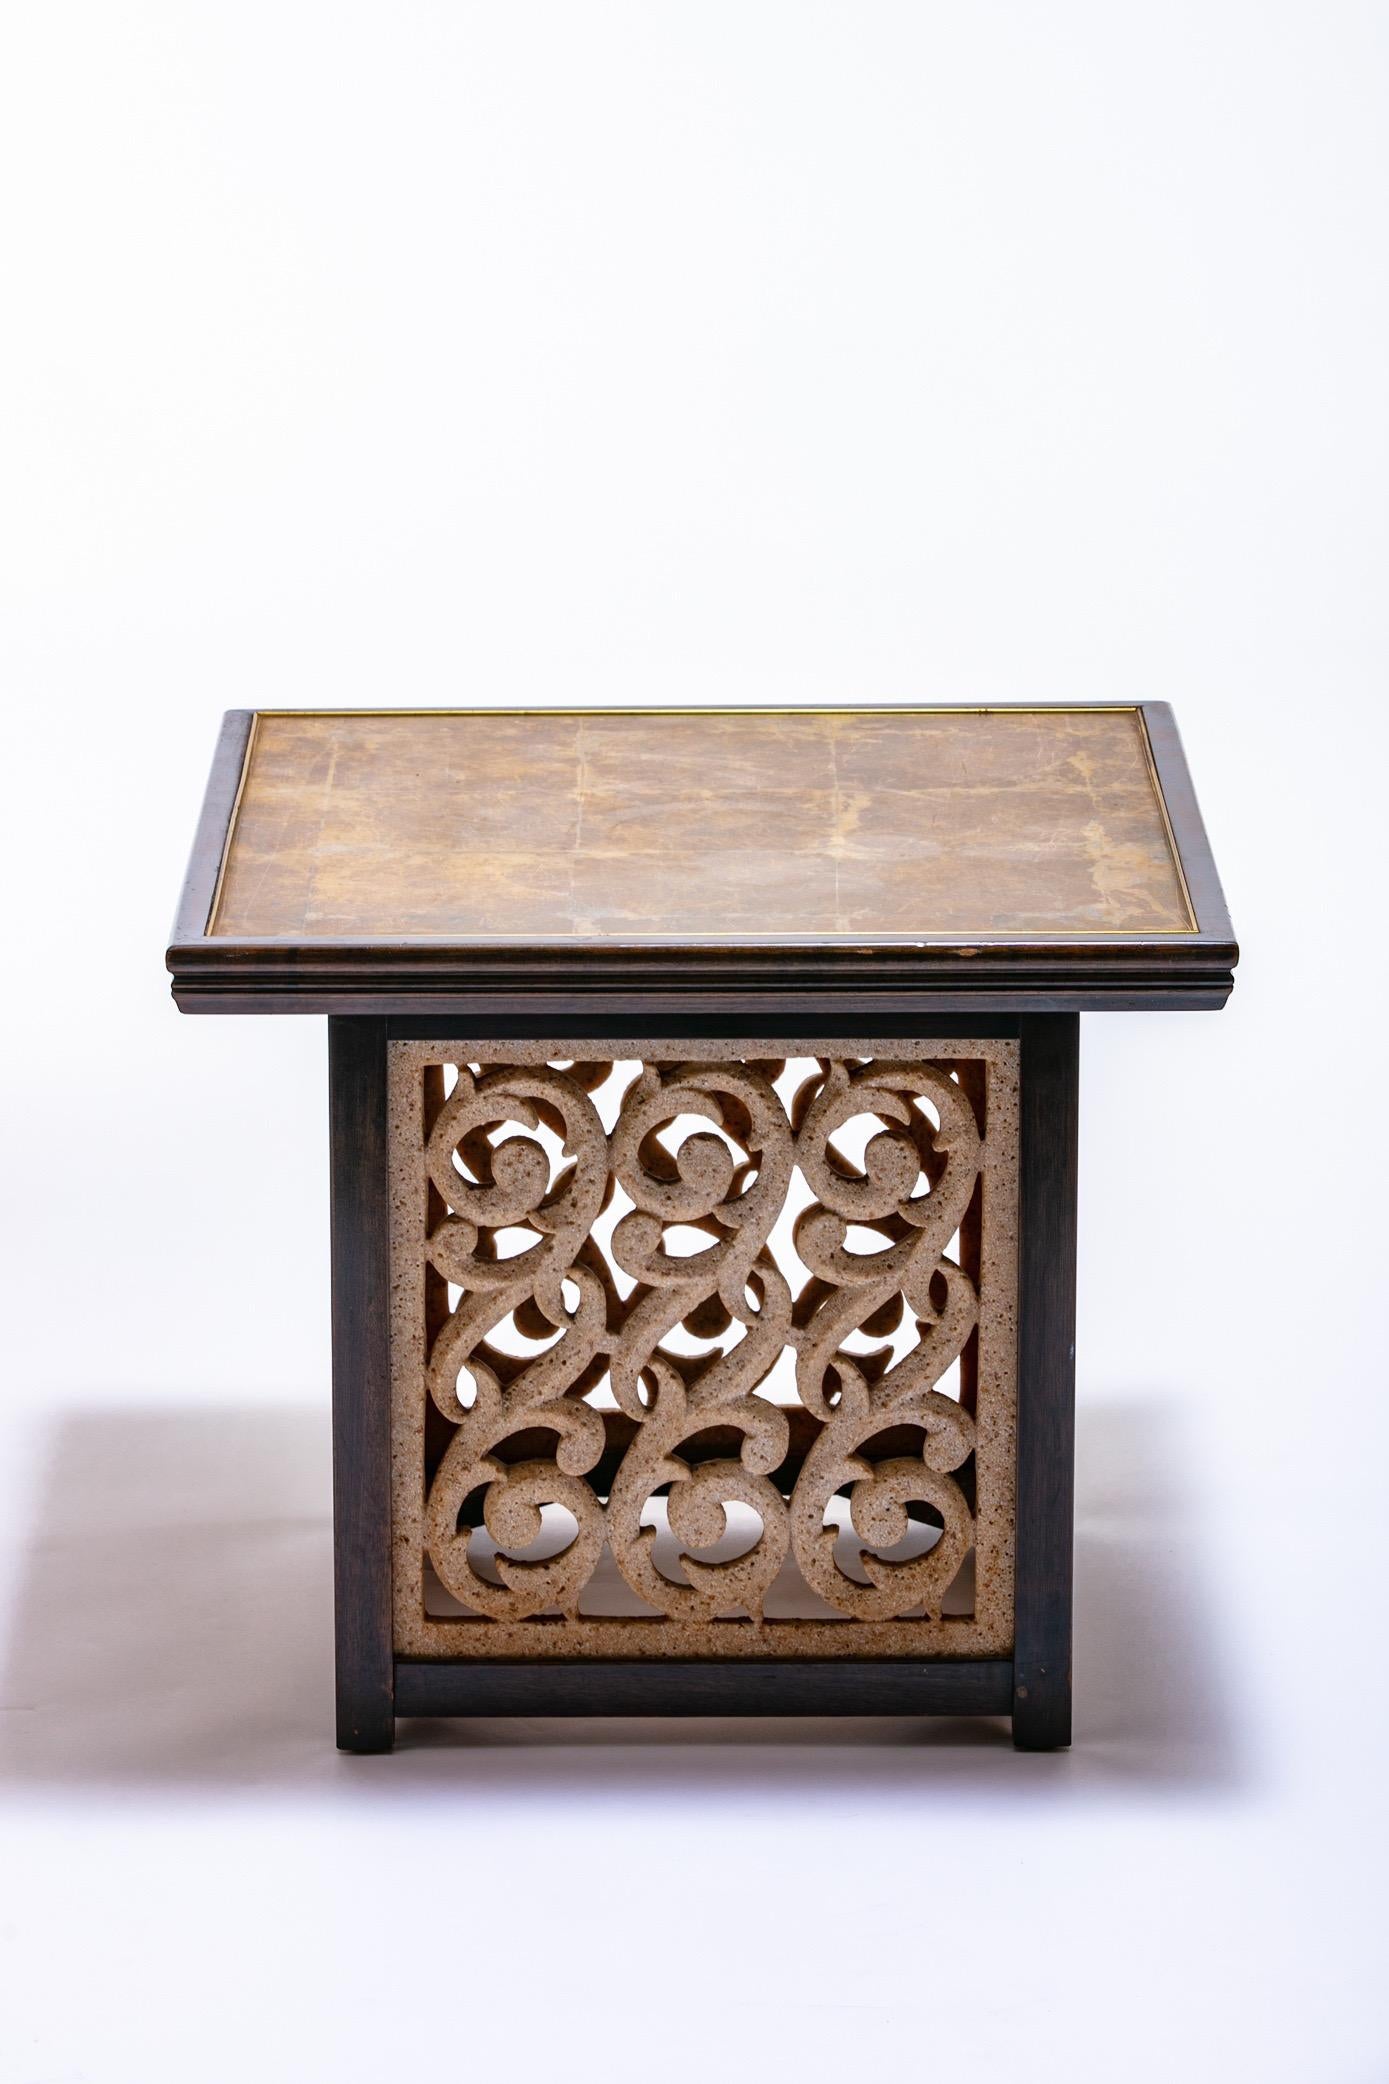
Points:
x=602, y=1376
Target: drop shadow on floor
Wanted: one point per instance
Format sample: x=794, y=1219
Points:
x=173, y=1629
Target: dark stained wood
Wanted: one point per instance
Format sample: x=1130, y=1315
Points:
x=1046, y=1381
x=668, y=1687
x=361, y=1383
x=532, y=979
x=1184, y=818
x=209, y=843
x=252, y=981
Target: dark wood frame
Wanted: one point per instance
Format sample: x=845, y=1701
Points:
x=1050, y=1117
x=374, y=1686
x=490, y=981
x=648, y=1686
x=361, y=1256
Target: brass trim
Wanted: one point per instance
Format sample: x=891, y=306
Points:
x=964, y=944
x=742, y=709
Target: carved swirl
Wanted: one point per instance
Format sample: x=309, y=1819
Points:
x=505, y=1184
x=705, y=1154
x=733, y=1196
x=868, y=1292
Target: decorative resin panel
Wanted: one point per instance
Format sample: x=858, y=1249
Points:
x=703, y=1349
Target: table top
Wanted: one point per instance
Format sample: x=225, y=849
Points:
x=379, y=860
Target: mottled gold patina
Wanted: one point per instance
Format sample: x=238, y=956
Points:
x=561, y=826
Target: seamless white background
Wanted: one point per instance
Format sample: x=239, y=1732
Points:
x=430, y=353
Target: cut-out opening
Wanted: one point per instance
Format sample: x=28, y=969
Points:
x=516, y=1238
x=866, y=1243
x=920, y=1536
x=683, y=1241
x=558, y=1527
x=508, y=1337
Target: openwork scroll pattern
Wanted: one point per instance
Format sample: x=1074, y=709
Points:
x=592, y=1313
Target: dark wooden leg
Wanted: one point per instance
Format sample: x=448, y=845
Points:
x=361, y=1384
x=1046, y=1381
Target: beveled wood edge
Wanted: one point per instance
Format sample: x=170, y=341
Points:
x=540, y=1015
x=690, y=1686
x=1190, y=845
x=850, y=1007
x=486, y=979
x=806, y=954
x=200, y=883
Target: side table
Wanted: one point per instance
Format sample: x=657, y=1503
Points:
x=703, y=1092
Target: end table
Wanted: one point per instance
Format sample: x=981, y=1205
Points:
x=703, y=1103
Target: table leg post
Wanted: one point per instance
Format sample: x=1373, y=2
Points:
x=1046, y=1381
x=361, y=1384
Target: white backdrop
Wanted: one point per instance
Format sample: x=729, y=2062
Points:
x=432, y=353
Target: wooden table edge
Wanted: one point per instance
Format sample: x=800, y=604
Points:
x=1178, y=971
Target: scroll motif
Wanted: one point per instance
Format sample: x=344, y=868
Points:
x=871, y=1291
x=734, y=1200
x=601, y=1323
x=495, y=1186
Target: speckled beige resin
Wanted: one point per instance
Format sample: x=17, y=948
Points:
x=595, y=1300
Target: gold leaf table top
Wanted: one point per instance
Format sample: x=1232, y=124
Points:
x=840, y=830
